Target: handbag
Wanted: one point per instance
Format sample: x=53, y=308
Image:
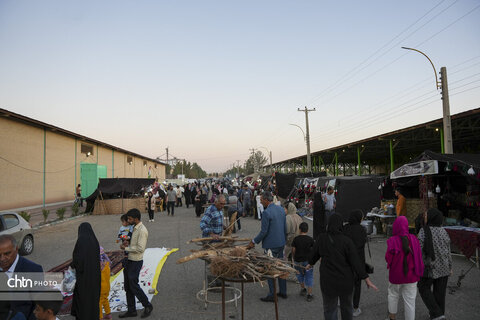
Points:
x=368, y=266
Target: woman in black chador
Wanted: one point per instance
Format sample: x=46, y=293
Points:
x=86, y=262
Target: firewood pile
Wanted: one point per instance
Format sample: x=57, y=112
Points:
x=237, y=262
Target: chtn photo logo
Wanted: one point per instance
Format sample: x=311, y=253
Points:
x=22, y=282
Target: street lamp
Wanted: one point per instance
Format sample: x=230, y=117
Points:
x=447, y=146
x=270, y=154
x=307, y=141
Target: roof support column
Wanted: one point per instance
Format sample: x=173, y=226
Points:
x=359, y=162
x=336, y=164
x=391, y=156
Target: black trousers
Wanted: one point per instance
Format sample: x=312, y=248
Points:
x=150, y=214
x=357, y=289
x=434, y=300
x=171, y=205
x=198, y=209
x=132, y=288
x=330, y=306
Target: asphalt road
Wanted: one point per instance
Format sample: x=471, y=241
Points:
x=179, y=284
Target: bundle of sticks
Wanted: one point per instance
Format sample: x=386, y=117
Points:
x=238, y=262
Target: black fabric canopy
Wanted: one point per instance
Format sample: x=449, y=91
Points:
x=129, y=185
x=115, y=186
x=357, y=192
x=285, y=182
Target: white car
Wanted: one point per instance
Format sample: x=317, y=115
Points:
x=13, y=224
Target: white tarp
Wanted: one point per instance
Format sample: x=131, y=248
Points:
x=420, y=168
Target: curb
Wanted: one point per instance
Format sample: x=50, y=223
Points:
x=58, y=221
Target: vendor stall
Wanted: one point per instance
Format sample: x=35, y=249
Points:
x=118, y=195
x=450, y=182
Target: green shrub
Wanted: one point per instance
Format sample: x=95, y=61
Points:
x=45, y=213
x=61, y=213
x=75, y=209
x=25, y=215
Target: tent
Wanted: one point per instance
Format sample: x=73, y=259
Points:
x=450, y=181
x=357, y=192
x=118, y=195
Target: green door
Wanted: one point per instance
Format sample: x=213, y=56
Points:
x=89, y=178
x=101, y=172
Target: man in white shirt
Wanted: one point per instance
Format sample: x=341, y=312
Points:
x=330, y=202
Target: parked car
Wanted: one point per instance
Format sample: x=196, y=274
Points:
x=13, y=224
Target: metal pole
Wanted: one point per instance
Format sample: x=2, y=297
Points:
x=442, y=145
x=391, y=156
x=336, y=164
x=359, y=162
x=271, y=166
x=447, y=126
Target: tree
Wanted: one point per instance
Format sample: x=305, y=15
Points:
x=255, y=162
x=192, y=171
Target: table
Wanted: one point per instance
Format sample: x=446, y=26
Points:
x=467, y=240
x=381, y=216
x=384, y=219
x=243, y=281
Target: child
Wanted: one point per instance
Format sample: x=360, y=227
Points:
x=104, y=285
x=301, y=249
x=47, y=310
x=125, y=232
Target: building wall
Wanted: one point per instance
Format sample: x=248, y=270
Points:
x=60, y=167
x=22, y=153
x=21, y=164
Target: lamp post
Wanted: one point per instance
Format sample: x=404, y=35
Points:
x=270, y=154
x=443, y=85
x=307, y=141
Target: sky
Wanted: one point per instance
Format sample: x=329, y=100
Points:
x=213, y=79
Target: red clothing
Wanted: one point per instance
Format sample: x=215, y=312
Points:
x=395, y=255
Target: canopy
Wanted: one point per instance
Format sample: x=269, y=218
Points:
x=119, y=185
x=418, y=168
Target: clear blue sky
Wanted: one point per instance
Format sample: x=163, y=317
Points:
x=211, y=79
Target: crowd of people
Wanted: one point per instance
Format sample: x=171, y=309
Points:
x=415, y=262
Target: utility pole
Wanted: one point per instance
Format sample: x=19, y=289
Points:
x=307, y=137
x=238, y=168
x=254, y=160
x=442, y=84
x=447, y=125
x=271, y=166
x=166, y=149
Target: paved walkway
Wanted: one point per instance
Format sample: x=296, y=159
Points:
x=179, y=283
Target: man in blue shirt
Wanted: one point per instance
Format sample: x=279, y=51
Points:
x=212, y=220
x=273, y=238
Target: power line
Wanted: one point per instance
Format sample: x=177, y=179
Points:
x=348, y=74
x=374, y=120
x=409, y=93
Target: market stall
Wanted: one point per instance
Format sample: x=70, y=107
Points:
x=449, y=182
x=118, y=195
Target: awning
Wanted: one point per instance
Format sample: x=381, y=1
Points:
x=420, y=168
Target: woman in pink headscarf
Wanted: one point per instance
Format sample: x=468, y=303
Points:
x=405, y=265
